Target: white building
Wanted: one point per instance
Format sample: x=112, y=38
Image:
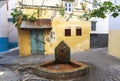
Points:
x=114, y=34
x=4, y=30
x=99, y=27
x=110, y=26
x=99, y=30
x=8, y=34
x=13, y=35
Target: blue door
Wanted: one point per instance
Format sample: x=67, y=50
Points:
x=37, y=42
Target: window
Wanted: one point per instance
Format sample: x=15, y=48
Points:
x=78, y=32
x=93, y=25
x=10, y=19
x=68, y=7
x=67, y=32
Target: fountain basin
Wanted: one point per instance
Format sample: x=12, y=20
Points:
x=61, y=71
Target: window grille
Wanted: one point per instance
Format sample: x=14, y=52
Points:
x=67, y=32
x=93, y=25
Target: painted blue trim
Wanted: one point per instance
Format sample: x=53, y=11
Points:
x=4, y=44
x=13, y=45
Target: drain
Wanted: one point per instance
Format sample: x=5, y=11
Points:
x=56, y=67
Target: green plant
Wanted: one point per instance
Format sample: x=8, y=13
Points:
x=62, y=11
x=32, y=18
x=104, y=8
x=24, y=17
x=84, y=5
x=18, y=16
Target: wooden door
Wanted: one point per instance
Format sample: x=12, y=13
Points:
x=37, y=42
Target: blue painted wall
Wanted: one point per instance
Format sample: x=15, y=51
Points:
x=13, y=45
x=4, y=44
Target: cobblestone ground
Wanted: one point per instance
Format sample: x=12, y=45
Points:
x=7, y=75
x=103, y=67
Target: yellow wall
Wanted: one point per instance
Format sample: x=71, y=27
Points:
x=59, y=24
x=77, y=43
x=24, y=42
x=114, y=40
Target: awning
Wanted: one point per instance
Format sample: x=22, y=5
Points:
x=37, y=24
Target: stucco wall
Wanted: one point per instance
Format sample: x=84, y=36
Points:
x=11, y=5
x=114, y=40
x=114, y=23
x=13, y=35
x=59, y=24
x=4, y=29
x=8, y=32
x=76, y=43
x=101, y=25
x=114, y=34
x=24, y=42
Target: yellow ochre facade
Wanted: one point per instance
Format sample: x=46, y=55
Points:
x=53, y=36
x=114, y=46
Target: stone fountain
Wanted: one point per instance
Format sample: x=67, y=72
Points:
x=62, y=68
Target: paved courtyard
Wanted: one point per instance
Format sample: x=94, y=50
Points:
x=103, y=67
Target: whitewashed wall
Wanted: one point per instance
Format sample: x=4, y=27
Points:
x=102, y=24
x=114, y=34
x=11, y=5
x=8, y=32
x=13, y=35
x=4, y=29
x=114, y=23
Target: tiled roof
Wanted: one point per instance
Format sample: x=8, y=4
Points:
x=37, y=24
